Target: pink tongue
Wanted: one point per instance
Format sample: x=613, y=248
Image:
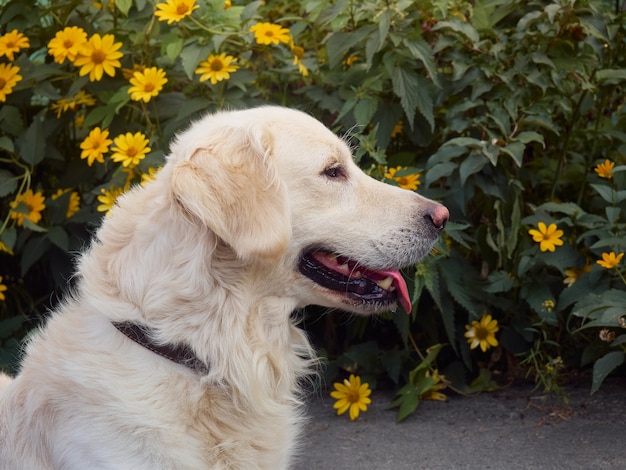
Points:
x=403, y=291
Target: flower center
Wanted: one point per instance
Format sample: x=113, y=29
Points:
x=353, y=396
x=98, y=56
x=68, y=43
x=481, y=333
x=217, y=65
x=402, y=180
x=181, y=9
x=10, y=44
x=131, y=152
x=269, y=34
x=149, y=87
x=3, y=82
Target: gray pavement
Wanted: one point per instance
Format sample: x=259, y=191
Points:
x=512, y=429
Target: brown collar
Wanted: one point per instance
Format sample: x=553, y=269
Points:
x=180, y=354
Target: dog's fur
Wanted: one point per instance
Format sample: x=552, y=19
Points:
x=207, y=257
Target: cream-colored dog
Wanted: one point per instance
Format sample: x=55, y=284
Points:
x=178, y=349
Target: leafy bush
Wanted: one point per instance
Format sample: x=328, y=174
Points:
x=501, y=110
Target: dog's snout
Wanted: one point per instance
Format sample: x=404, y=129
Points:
x=438, y=215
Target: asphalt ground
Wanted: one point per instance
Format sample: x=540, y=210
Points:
x=515, y=428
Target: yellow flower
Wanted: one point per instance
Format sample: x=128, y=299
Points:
x=31, y=206
x=9, y=77
x=548, y=305
x=397, y=129
x=351, y=394
x=73, y=204
x=605, y=170
x=11, y=43
x=351, y=60
x=66, y=43
x=149, y=176
x=268, y=33
x=411, y=181
x=572, y=274
x=547, y=237
x=65, y=104
x=5, y=248
x=298, y=53
x=227, y=4
x=433, y=393
x=216, y=68
x=3, y=288
x=482, y=333
x=99, y=55
x=95, y=145
x=130, y=149
x=107, y=199
x=146, y=84
x=175, y=10
x=104, y=5
x=610, y=260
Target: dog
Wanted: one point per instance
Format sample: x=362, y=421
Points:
x=177, y=348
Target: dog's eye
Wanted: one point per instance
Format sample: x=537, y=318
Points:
x=335, y=172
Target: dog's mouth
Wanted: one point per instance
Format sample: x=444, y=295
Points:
x=341, y=274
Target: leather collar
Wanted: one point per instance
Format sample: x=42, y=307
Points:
x=179, y=354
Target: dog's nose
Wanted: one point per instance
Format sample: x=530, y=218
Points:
x=438, y=215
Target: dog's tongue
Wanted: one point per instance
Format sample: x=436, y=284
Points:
x=400, y=285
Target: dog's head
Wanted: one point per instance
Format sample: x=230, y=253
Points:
x=274, y=184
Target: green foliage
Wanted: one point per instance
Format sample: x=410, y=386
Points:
x=504, y=109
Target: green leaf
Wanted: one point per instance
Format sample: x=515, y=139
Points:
x=530, y=136
x=465, y=29
x=516, y=151
x=6, y=144
x=191, y=55
x=392, y=362
x=472, y=164
x=499, y=281
x=422, y=51
x=341, y=42
x=456, y=276
x=124, y=6
x=32, y=144
x=604, y=366
x=456, y=231
x=10, y=326
x=8, y=236
x=567, y=208
x=407, y=399
x=59, y=237
x=614, y=76
x=406, y=87
x=34, y=249
x=609, y=194
x=8, y=182
x=365, y=110
x=33, y=226
x=172, y=46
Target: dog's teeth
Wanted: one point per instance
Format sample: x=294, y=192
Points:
x=344, y=268
x=357, y=274
x=385, y=283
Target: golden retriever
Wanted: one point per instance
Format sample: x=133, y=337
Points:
x=178, y=349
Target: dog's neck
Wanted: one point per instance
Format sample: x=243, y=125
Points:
x=179, y=354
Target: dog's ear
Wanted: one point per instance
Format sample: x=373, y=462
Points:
x=230, y=185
